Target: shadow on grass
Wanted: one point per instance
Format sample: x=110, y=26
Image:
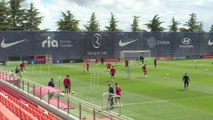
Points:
x=181, y=90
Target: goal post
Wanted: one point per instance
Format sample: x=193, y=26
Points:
x=134, y=54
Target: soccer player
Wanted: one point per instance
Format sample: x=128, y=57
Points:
x=18, y=72
x=155, y=62
x=118, y=92
x=51, y=84
x=142, y=59
x=67, y=84
x=144, y=70
x=87, y=67
x=22, y=66
x=186, y=80
x=126, y=63
x=111, y=94
x=112, y=71
x=108, y=66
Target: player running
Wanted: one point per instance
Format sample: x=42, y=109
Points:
x=144, y=70
x=108, y=66
x=22, y=66
x=186, y=80
x=112, y=71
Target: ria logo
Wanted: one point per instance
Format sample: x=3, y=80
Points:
x=96, y=41
x=49, y=43
x=186, y=41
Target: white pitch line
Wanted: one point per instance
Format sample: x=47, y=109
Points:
x=162, y=101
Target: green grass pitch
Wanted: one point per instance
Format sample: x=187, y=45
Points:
x=160, y=96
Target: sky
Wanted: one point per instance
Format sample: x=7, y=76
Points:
x=124, y=10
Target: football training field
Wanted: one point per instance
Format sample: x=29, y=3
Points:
x=160, y=96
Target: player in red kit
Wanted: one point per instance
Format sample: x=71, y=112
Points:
x=67, y=84
x=126, y=63
x=112, y=71
x=87, y=67
x=108, y=66
x=22, y=66
x=144, y=70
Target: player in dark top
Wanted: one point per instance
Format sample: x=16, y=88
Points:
x=186, y=80
x=155, y=62
x=111, y=94
x=142, y=59
x=51, y=84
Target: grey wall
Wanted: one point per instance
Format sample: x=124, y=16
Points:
x=78, y=45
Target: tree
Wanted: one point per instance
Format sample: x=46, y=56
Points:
x=193, y=25
x=68, y=22
x=32, y=20
x=211, y=29
x=173, y=27
x=16, y=14
x=4, y=24
x=93, y=25
x=135, y=26
x=112, y=24
x=155, y=24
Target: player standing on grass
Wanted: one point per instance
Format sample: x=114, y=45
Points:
x=108, y=66
x=118, y=92
x=51, y=84
x=126, y=63
x=67, y=84
x=144, y=70
x=87, y=67
x=112, y=71
x=186, y=80
x=155, y=62
x=111, y=94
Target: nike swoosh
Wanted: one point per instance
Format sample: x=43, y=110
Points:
x=210, y=43
x=122, y=44
x=6, y=45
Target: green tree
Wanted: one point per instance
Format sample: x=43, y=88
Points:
x=112, y=24
x=193, y=25
x=32, y=19
x=93, y=25
x=174, y=26
x=135, y=26
x=68, y=22
x=16, y=14
x=211, y=28
x=155, y=24
x=4, y=24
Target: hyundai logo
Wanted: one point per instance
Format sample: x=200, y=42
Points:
x=186, y=41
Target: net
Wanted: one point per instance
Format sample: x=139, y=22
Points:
x=134, y=54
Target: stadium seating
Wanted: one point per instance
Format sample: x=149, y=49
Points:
x=23, y=108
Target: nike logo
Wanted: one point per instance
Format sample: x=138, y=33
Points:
x=210, y=43
x=6, y=45
x=122, y=44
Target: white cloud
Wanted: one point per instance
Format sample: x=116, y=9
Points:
x=124, y=10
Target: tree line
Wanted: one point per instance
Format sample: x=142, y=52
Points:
x=14, y=17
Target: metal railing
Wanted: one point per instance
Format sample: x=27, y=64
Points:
x=81, y=109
